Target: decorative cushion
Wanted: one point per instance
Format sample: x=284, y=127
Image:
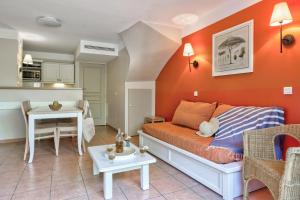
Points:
x=208, y=129
x=222, y=108
x=191, y=114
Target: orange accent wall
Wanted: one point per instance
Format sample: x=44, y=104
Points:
x=263, y=87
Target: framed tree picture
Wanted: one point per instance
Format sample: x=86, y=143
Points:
x=233, y=50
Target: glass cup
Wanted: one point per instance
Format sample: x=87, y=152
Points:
x=111, y=156
x=143, y=150
x=110, y=148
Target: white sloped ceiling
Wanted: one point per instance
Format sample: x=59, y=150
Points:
x=149, y=46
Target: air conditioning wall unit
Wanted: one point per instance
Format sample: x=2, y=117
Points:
x=100, y=52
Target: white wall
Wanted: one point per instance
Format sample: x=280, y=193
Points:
x=9, y=63
x=149, y=48
x=116, y=75
x=11, y=119
x=138, y=85
x=139, y=107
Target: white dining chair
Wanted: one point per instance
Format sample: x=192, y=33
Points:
x=41, y=131
x=69, y=129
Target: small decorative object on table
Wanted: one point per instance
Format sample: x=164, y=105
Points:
x=111, y=156
x=119, y=142
x=110, y=148
x=55, y=106
x=127, y=140
x=144, y=149
x=127, y=153
x=154, y=119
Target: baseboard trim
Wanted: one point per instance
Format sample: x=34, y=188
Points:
x=112, y=127
x=12, y=140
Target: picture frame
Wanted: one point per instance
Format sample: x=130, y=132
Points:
x=233, y=50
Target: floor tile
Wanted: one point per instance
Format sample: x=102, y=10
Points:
x=68, y=191
x=117, y=194
x=186, y=180
x=7, y=189
x=82, y=197
x=183, y=195
x=165, y=186
x=38, y=182
x=134, y=192
x=5, y=197
x=206, y=193
x=158, y=198
x=158, y=173
x=43, y=194
x=69, y=175
x=10, y=177
x=87, y=173
x=168, y=168
x=94, y=185
x=263, y=193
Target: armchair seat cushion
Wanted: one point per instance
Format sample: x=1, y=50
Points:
x=273, y=168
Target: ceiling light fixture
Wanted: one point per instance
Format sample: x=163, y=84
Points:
x=185, y=19
x=49, y=21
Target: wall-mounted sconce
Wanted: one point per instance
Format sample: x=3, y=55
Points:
x=281, y=15
x=188, y=51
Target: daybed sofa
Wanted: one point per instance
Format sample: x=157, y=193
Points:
x=218, y=168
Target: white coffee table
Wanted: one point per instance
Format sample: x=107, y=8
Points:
x=108, y=167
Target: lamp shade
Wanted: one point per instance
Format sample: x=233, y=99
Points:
x=188, y=50
x=281, y=15
x=27, y=59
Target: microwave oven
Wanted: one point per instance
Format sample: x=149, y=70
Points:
x=31, y=74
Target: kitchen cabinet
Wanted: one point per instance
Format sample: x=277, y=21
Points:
x=67, y=73
x=57, y=72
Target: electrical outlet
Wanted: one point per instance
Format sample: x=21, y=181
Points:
x=195, y=93
x=288, y=90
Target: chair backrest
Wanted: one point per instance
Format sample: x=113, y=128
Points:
x=254, y=140
x=25, y=107
x=291, y=179
x=85, y=106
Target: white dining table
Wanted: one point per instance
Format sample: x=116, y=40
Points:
x=44, y=112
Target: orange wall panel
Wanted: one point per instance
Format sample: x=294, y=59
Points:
x=264, y=87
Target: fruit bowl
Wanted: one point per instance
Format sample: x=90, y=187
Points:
x=55, y=107
x=128, y=153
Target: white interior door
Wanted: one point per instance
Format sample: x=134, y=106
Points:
x=139, y=106
x=94, y=86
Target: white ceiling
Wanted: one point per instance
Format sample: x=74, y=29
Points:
x=96, y=20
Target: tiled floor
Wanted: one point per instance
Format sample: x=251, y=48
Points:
x=69, y=176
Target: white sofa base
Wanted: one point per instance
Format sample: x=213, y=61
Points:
x=224, y=179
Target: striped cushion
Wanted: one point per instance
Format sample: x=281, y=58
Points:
x=239, y=119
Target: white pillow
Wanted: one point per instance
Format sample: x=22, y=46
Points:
x=207, y=129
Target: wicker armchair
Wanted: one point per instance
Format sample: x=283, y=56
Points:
x=281, y=177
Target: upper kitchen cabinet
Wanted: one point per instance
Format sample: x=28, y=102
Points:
x=58, y=72
x=67, y=73
x=50, y=72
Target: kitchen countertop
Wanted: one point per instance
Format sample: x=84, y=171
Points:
x=35, y=88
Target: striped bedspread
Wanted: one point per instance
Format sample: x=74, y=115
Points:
x=239, y=119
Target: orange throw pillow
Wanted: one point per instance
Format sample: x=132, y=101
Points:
x=222, y=108
x=191, y=114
